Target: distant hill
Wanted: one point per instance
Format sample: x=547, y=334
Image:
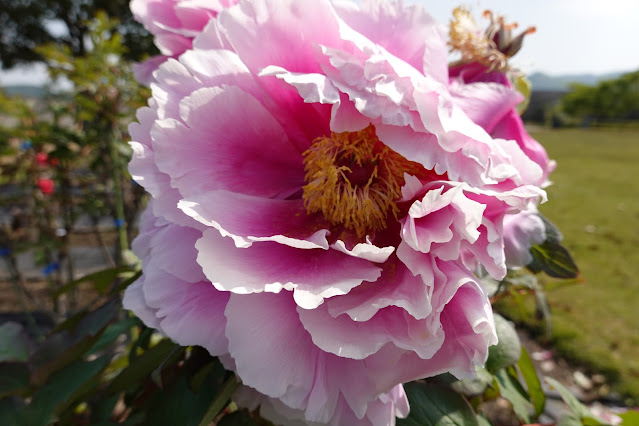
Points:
x=540, y=82
x=561, y=83
x=25, y=91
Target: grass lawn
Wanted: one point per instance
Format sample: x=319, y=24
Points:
x=595, y=202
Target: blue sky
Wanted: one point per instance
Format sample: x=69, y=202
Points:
x=573, y=36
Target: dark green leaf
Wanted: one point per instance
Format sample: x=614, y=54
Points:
x=14, y=343
x=12, y=412
x=101, y=279
x=507, y=351
x=60, y=388
x=435, y=405
x=141, y=366
x=220, y=401
x=535, y=391
x=237, y=418
x=510, y=389
x=553, y=234
x=177, y=404
x=101, y=411
x=112, y=332
x=553, y=259
x=129, y=281
x=71, y=342
x=14, y=377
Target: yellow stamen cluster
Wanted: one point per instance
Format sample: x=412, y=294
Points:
x=354, y=180
x=491, y=47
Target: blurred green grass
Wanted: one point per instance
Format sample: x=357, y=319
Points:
x=595, y=202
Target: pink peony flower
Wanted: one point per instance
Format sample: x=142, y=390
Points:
x=481, y=82
x=320, y=205
x=472, y=82
x=174, y=24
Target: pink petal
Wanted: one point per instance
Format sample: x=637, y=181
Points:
x=221, y=146
x=407, y=32
x=310, y=24
x=485, y=103
x=258, y=327
x=359, y=339
x=247, y=219
x=397, y=286
x=271, y=267
x=522, y=231
x=133, y=300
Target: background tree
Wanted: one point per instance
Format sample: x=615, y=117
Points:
x=610, y=100
x=26, y=24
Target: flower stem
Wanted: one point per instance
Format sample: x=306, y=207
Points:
x=123, y=243
x=220, y=400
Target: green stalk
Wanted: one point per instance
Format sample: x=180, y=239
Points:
x=123, y=243
x=20, y=294
x=220, y=401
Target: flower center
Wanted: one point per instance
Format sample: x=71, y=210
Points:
x=355, y=180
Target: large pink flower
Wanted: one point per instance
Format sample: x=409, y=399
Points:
x=320, y=206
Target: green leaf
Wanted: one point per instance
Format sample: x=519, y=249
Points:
x=14, y=377
x=581, y=411
x=476, y=385
x=553, y=259
x=141, y=366
x=553, y=234
x=507, y=351
x=483, y=421
x=535, y=391
x=74, y=338
x=221, y=400
x=629, y=418
x=436, y=405
x=569, y=420
x=526, y=281
x=101, y=279
x=237, y=418
x=14, y=343
x=102, y=410
x=510, y=389
x=176, y=404
x=112, y=332
x=60, y=389
x=12, y=412
x=523, y=86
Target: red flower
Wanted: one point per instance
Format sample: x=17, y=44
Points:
x=46, y=185
x=41, y=158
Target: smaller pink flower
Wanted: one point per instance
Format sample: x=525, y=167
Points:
x=490, y=99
